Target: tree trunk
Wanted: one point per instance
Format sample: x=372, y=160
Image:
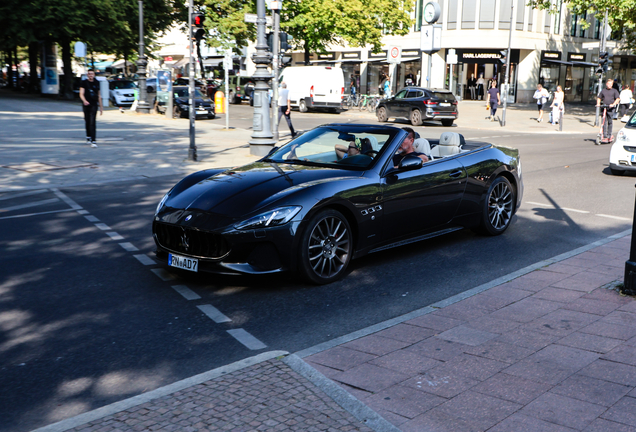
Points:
x=10, y=71
x=307, y=54
x=68, y=70
x=34, y=81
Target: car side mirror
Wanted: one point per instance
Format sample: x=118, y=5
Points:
x=410, y=163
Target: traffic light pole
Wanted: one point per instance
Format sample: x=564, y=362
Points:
x=506, y=83
x=601, y=49
x=192, y=151
x=142, y=106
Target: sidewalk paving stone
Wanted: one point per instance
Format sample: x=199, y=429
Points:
x=467, y=335
x=589, y=342
x=512, y=388
x=406, y=362
x=601, y=425
x=563, y=410
x=624, y=411
x=500, y=351
x=522, y=423
x=591, y=390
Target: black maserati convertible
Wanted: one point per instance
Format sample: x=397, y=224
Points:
x=332, y=194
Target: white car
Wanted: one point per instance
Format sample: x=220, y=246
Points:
x=623, y=153
x=122, y=92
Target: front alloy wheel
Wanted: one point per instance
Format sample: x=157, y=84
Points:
x=498, y=207
x=326, y=247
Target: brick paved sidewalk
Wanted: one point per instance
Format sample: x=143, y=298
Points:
x=549, y=348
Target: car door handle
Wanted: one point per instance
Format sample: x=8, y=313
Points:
x=456, y=174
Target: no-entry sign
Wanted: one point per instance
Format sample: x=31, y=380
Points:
x=394, y=54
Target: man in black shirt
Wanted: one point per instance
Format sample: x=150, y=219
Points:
x=91, y=100
x=611, y=97
x=407, y=148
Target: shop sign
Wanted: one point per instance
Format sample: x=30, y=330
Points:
x=550, y=55
x=327, y=56
x=410, y=53
x=350, y=55
x=381, y=55
x=484, y=56
x=578, y=57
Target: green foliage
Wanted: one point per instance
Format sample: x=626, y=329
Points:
x=226, y=21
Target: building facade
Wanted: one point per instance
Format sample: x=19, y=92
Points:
x=545, y=48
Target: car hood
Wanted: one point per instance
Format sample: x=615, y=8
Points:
x=237, y=193
x=123, y=91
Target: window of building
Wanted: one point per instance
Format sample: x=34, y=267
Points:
x=504, y=14
x=597, y=29
x=520, y=11
x=487, y=14
x=452, y=15
x=557, y=17
x=419, y=5
x=574, y=20
x=546, y=22
x=530, y=18
x=468, y=14
x=581, y=29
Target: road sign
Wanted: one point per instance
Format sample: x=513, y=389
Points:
x=394, y=54
x=80, y=49
x=593, y=45
x=251, y=18
x=451, y=57
x=227, y=63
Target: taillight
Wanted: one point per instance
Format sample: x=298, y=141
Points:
x=311, y=91
x=238, y=87
x=454, y=102
x=342, y=91
x=430, y=102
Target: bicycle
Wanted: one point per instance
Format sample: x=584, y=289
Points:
x=363, y=101
x=352, y=101
x=373, y=103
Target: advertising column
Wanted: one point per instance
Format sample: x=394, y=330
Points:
x=50, y=82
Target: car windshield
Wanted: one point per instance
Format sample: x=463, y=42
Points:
x=116, y=85
x=347, y=147
x=183, y=92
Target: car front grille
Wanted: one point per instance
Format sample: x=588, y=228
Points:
x=191, y=241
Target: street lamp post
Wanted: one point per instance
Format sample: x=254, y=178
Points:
x=142, y=105
x=262, y=139
x=506, y=84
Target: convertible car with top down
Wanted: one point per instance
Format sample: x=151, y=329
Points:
x=335, y=193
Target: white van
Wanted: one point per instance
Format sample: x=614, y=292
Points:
x=314, y=86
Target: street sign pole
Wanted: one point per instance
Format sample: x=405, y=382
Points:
x=506, y=83
x=275, y=6
x=227, y=65
x=602, y=48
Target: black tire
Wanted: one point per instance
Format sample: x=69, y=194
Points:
x=447, y=122
x=211, y=116
x=302, y=106
x=382, y=115
x=498, y=207
x=416, y=117
x=617, y=172
x=326, y=247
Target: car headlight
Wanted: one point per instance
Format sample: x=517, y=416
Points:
x=161, y=203
x=622, y=136
x=271, y=218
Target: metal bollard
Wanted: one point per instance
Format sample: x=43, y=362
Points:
x=560, y=120
x=630, y=265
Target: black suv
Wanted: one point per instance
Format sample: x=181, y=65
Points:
x=418, y=104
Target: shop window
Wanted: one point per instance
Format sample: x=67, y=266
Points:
x=520, y=12
x=452, y=15
x=487, y=14
x=504, y=14
x=468, y=14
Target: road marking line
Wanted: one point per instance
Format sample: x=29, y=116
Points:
x=163, y=274
x=145, y=259
x=540, y=204
x=614, y=217
x=36, y=214
x=23, y=194
x=114, y=236
x=246, y=339
x=31, y=204
x=83, y=212
x=186, y=292
x=91, y=218
x=214, y=313
x=574, y=210
x=67, y=200
x=129, y=247
x=102, y=226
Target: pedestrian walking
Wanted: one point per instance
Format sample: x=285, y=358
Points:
x=387, y=87
x=627, y=99
x=284, y=107
x=541, y=95
x=557, y=104
x=91, y=100
x=493, y=99
x=610, y=97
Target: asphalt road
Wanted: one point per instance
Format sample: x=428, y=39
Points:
x=86, y=320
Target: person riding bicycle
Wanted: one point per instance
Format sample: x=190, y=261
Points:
x=609, y=97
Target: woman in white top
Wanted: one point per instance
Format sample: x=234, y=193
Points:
x=626, y=100
x=557, y=105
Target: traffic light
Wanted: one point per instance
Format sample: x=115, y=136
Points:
x=199, y=34
x=504, y=55
x=284, y=41
x=198, y=19
x=270, y=42
x=603, y=61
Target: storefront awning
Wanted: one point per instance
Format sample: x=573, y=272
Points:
x=567, y=63
x=212, y=61
x=180, y=63
x=584, y=64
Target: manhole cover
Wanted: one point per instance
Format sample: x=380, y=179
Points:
x=48, y=166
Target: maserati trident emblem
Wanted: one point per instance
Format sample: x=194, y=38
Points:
x=185, y=241
x=188, y=218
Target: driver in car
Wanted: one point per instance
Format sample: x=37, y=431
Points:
x=406, y=148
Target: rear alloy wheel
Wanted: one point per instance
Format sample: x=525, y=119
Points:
x=302, y=106
x=416, y=117
x=447, y=122
x=177, y=112
x=381, y=113
x=326, y=247
x=498, y=207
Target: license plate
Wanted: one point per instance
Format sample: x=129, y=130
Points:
x=633, y=158
x=184, y=263
x=444, y=104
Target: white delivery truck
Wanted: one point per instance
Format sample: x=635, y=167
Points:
x=314, y=86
